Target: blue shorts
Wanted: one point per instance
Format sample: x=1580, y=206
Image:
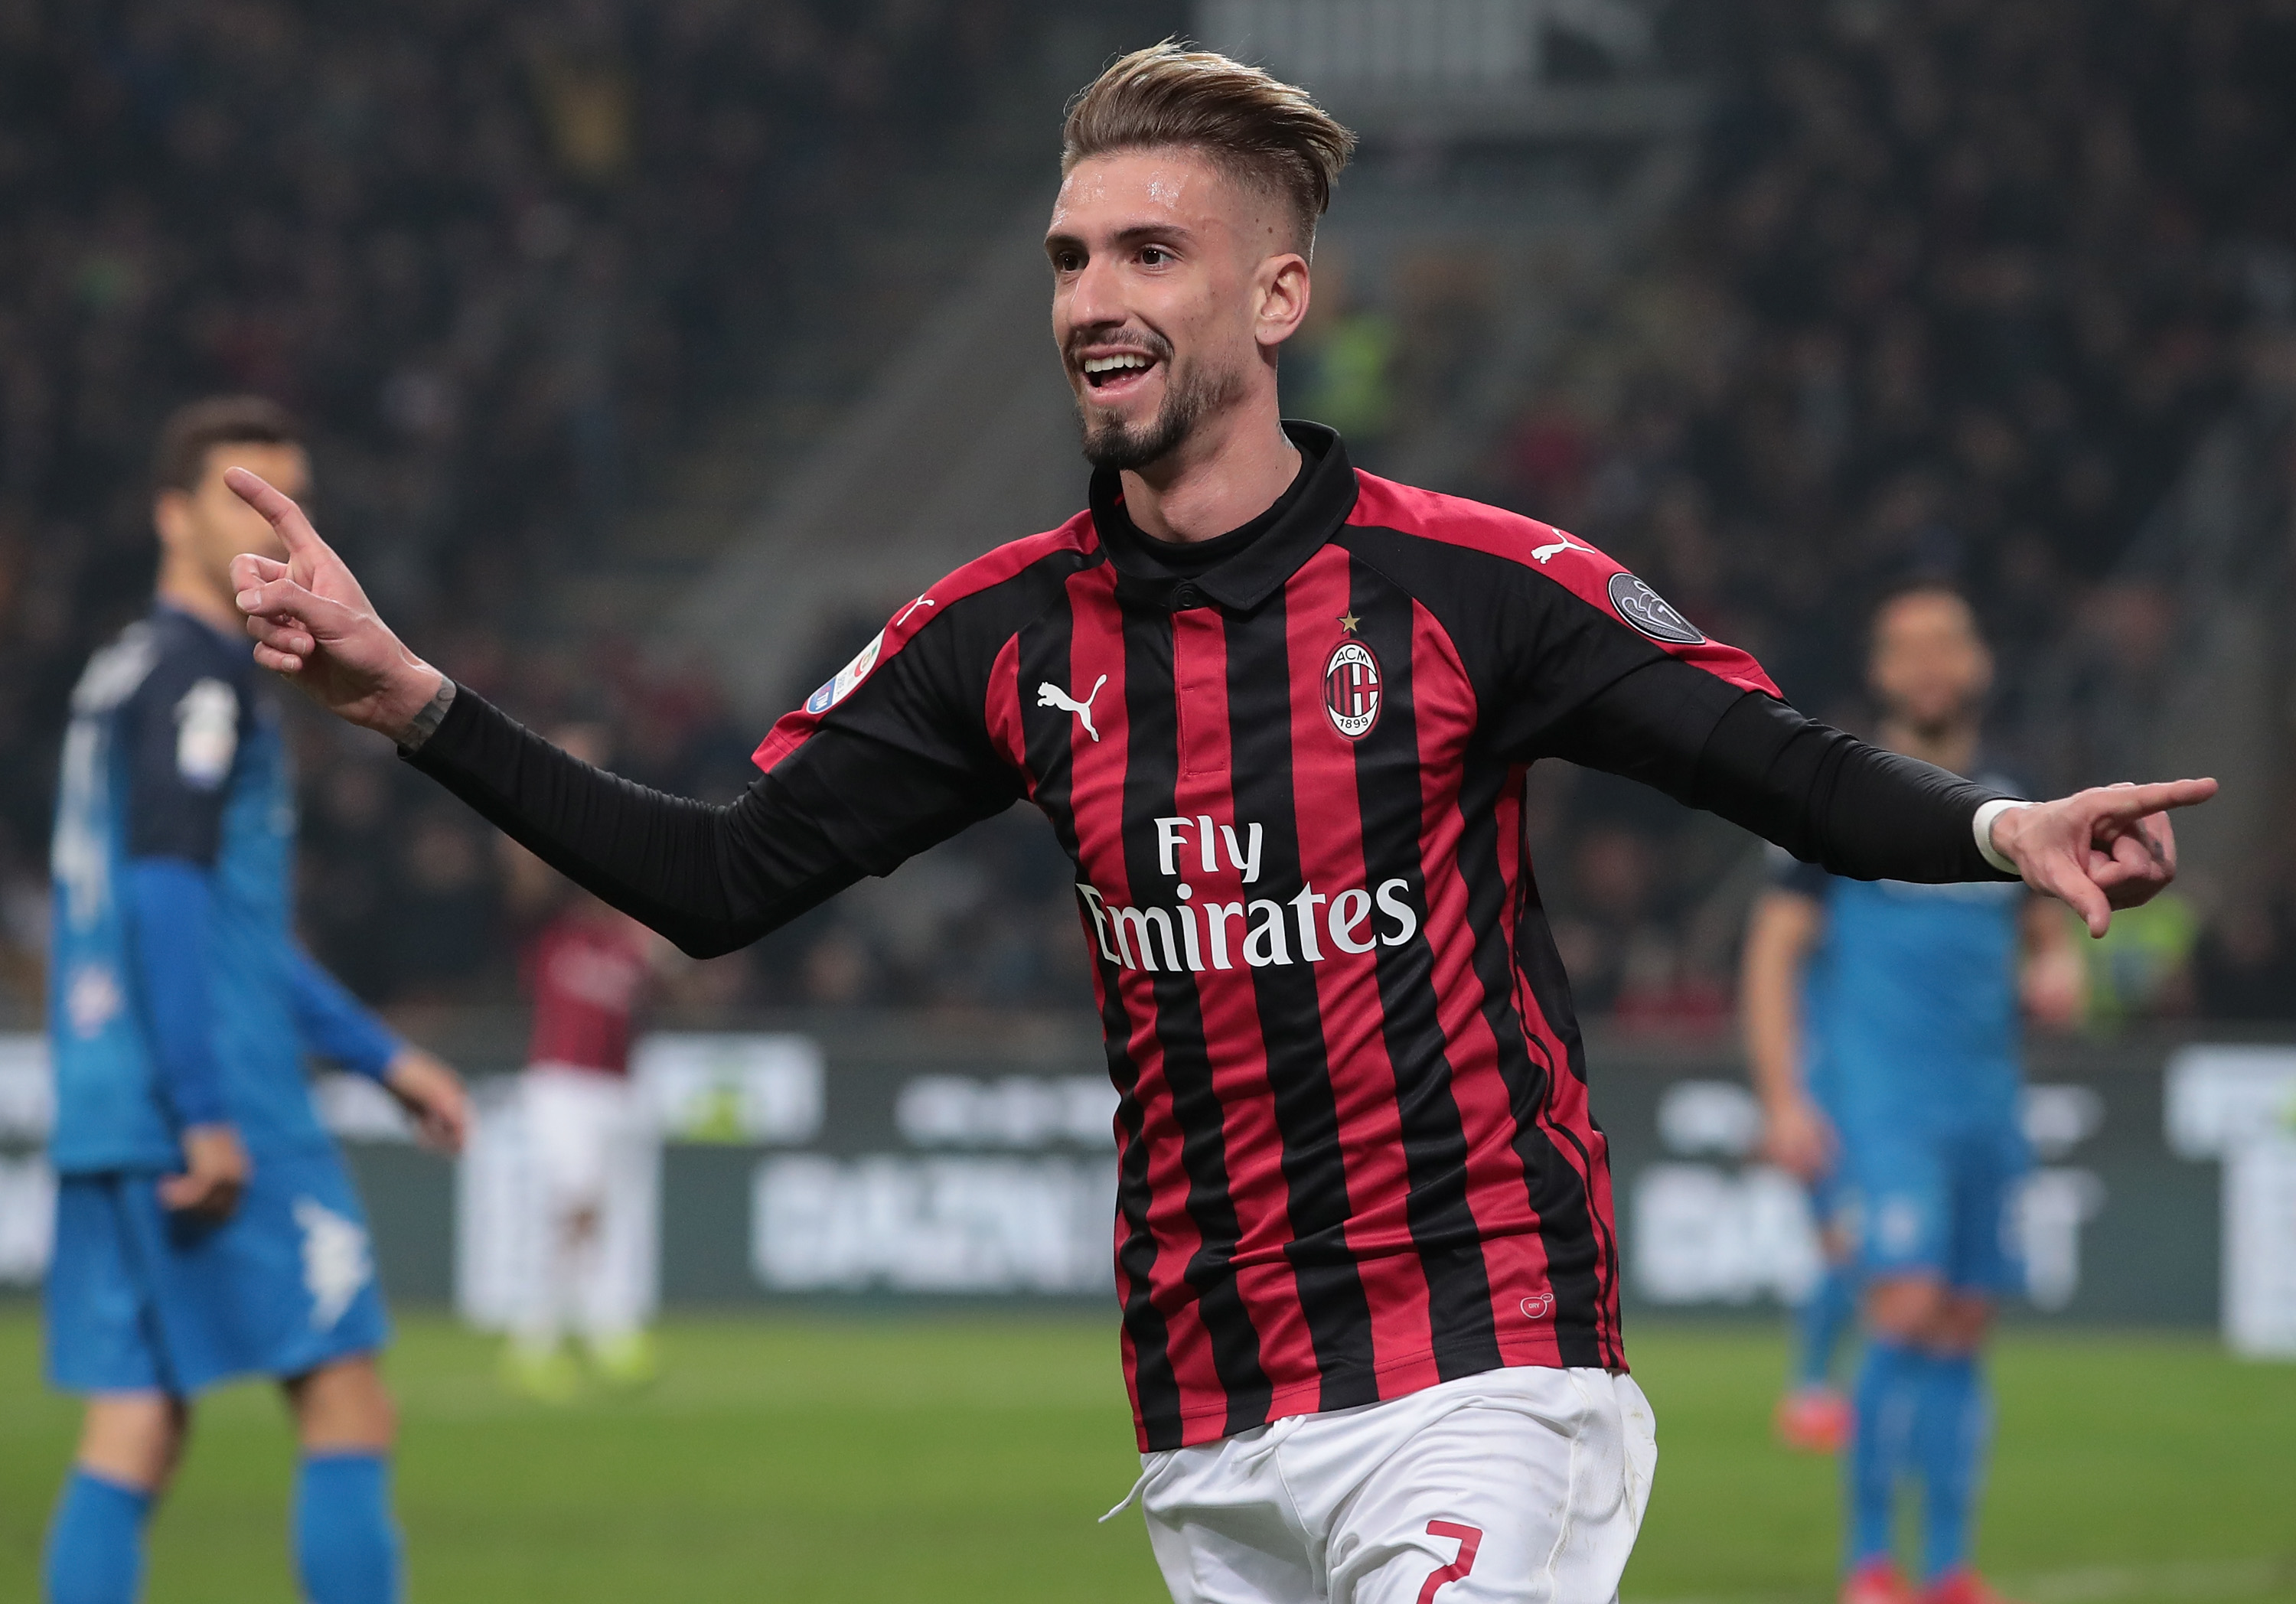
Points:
x=142, y=1299
x=1937, y=1203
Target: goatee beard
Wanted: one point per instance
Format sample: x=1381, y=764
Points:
x=1187, y=403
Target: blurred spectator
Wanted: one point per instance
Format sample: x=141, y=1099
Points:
x=2245, y=966
x=1609, y=935
x=1958, y=290
x=2143, y=967
x=501, y=255
x=1339, y=368
x=1958, y=285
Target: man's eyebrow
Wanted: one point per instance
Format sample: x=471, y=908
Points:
x=1138, y=233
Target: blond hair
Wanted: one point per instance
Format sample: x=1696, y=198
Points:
x=1257, y=128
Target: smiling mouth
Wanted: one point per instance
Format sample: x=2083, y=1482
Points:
x=1116, y=370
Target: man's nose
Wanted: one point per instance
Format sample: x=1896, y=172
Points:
x=1095, y=297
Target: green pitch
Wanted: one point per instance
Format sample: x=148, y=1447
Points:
x=966, y=1458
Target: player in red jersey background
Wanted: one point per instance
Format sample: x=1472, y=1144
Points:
x=589, y=971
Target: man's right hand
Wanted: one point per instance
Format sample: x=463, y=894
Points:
x=1798, y=1139
x=313, y=623
x=215, y=1169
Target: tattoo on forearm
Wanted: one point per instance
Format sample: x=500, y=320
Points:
x=425, y=724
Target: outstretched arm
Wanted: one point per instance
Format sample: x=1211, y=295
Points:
x=711, y=879
x=1867, y=813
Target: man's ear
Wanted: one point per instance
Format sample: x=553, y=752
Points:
x=1284, y=296
x=171, y=516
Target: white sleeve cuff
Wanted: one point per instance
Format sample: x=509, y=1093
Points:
x=1983, y=825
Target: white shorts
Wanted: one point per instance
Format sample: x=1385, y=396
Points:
x=1519, y=1485
x=576, y=1122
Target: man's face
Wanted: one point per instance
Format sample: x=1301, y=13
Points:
x=1930, y=667
x=207, y=525
x=1172, y=285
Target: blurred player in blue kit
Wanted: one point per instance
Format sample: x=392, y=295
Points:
x=205, y=1228
x=1883, y=1029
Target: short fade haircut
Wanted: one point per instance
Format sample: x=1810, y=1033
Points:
x=1257, y=128
x=196, y=428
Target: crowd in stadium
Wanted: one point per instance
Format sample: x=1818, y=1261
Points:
x=1951, y=297
x=497, y=255
x=1956, y=291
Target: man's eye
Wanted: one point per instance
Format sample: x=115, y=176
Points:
x=1067, y=261
x=1155, y=256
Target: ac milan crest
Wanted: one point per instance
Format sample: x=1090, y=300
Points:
x=1351, y=689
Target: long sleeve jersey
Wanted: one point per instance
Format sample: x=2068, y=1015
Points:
x=1355, y=1152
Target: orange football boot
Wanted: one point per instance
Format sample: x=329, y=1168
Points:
x=1812, y=1420
x=1877, y=1582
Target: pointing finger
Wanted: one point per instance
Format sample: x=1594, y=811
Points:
x=2129, y=802
x=281, y=510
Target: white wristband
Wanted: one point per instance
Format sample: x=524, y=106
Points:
x=1982, y=824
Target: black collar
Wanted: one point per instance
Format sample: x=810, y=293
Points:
x=1324, y=498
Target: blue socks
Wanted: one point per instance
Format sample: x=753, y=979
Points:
x=96, y=1542
x=346, y=1544
x=1887, y=1398
x=1952, y=1426
x=1818, y=1321
x=1925, y=1414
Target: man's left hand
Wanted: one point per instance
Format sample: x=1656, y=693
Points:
x=433, y=1097
x=2100, y=849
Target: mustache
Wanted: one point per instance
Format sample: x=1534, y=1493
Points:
x=1147, y=342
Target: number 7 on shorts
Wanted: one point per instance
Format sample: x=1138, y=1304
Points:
x=1470, y=1538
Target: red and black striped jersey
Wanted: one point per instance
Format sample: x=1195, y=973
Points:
x=1355, y=1153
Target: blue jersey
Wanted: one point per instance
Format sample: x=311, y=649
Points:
x=1910, y=1015
x=174, y=752
x=1817, y=985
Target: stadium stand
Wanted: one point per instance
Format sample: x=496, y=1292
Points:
x=1957, y=290
x=501, y=256
x=1933, y=290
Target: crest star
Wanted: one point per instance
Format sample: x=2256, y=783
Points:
x=1348, y=622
